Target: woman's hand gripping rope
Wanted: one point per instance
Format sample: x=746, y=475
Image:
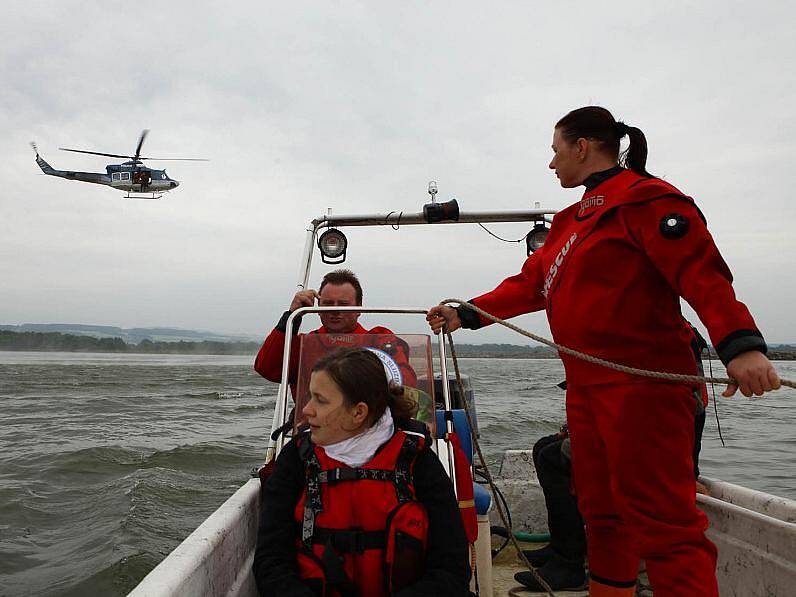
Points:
x=751, y=371
x=440, y=316
x=753, y=374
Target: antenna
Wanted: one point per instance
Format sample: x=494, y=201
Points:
x=432, y=190
x=439, y=212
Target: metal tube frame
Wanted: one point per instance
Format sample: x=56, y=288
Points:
x=392, y=218
x=395, y=218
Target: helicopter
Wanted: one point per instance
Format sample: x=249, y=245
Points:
x=132, y=177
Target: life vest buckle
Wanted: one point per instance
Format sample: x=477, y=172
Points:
x=357, y=540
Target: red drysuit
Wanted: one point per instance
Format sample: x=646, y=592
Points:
x=610, y=276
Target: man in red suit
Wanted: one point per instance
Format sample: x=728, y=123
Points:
x=339, y=288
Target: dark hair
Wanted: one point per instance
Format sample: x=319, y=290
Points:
x=343, y=276
x=598, y=124
x=361, y=378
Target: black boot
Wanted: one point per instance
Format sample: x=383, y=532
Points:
x=559, y=573
x=538, y=557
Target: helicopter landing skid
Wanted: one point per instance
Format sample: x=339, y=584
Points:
x=133, y=195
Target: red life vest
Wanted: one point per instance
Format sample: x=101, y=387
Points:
x=397, y=348
x=269, y=358
x=362, y=531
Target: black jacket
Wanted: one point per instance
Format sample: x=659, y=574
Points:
x=447, y=564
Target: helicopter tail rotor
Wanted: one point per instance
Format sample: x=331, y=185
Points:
x=45, y=167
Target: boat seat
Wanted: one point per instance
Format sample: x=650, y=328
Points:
x=483, y=499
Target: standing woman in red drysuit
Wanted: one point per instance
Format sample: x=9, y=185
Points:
x=610, y=277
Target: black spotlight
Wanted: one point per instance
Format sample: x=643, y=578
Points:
x=534, y=240
x=332, y=244
x=441, y=212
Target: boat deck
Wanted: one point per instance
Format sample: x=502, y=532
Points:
x=507, y=563
x=755, y=533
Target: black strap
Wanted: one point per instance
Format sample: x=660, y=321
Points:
x=305, y=446
x=350, y=540
x=619, y=584
x=335, y=475
x=417, y=427
x=335, y=574
x=403, y=476
x=312, y=503
x=284, y=428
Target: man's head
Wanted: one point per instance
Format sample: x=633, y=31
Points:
x=340, y=288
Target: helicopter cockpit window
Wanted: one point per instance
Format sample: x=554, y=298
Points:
x=116, y=176
x=125, y=176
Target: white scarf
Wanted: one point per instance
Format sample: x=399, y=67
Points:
x=356, y=451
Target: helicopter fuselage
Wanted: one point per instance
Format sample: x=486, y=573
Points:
x=129, y=177
x=138, y=178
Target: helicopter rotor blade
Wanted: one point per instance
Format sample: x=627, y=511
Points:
x=177, y=159
x=137, y=159
x=110, y=155
x=144, y=133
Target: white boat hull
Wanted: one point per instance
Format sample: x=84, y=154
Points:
x=216, y=559
x=755, y=533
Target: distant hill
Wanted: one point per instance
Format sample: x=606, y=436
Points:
x=776, y=352
x=58, y=342
x=129, y=335
x=502, y=351
x=98, y=338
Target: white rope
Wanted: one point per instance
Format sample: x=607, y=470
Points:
x=473, y=436
x=598, y=361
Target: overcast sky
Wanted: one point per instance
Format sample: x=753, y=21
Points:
x=355, y=106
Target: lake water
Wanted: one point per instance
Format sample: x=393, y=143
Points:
x=108, y=461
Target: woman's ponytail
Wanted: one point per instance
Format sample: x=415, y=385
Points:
x=635, y=156
x=598, y=124
x=402, y=406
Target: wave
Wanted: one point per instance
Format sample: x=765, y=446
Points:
x=126, y=523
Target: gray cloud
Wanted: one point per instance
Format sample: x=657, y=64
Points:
x=355, y=106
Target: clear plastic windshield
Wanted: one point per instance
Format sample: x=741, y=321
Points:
x=406, y=359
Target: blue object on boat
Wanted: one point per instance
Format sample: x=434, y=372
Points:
x=460, y=426
x=457, y=400
x=483, y=499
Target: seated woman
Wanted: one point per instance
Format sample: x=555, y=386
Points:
x=359, y=504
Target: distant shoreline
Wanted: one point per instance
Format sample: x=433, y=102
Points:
x=58, y=342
